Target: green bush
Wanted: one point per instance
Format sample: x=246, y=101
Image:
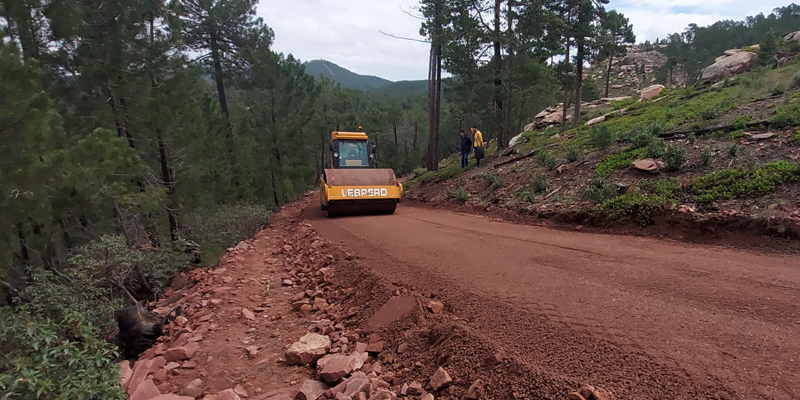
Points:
x=692, y=138
x=734, y=151
x=220, y=229
x=711, y=113
x=640, y=138
x=642, y=207
x=61, y=359
x=599, y=190
x=778, y=90
x=459, y=195
x=741, y=122
x=539, y=184
x=492, y=179
x=573, y=154
x=674, y=157
x=787, y=116
x=618, y=161
x=547, y=160
x=743, y=182
x=705, y=156
x=655, y=149
x=602, y=137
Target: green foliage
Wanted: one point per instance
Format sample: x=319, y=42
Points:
x=226, y=226
x=640, y=138
x=602, y=137
x=705, y=156
x=655, y=149
x=743, y=182
x=459, y=195
x=674, y=157
x=539, y=184
x=573, y=154
x=640, y=206
x=778, y=90
x=547, y=160
x=733, y=152
x=60, y=359
x=737, y=134
x=599, y=190
x=692, y=138
x=768, y=47
x=443, y=173
x=618, y=161
x=787, y=116
x=492, y=179
x=711, y=113
x=796, y=138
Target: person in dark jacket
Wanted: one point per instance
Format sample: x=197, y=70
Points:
x=466, y=147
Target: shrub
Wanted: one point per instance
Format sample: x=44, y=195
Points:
x=778, y=90
x=618, y=161
x=674, y=157
x=573, y=154
x=692, y=138
x=602, y=137
x=640, y=138
x=225, y=227
x=796, y=81
x=705, y=156
x=741, y=122
x=492, y=179
x=711, y=113
x=539, y=184
x=599, y=190
x=796, y=138
x=787, y=116
x=737, y=134
x=59, y=359
x=459, y=195
x=655, y=149
x=547, y=160
x=734, y=151
x=742, y=182
x=641, y=207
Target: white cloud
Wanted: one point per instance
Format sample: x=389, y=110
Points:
x=348, y=32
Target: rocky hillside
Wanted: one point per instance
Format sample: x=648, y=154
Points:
x=637, y=70
x=694, y=164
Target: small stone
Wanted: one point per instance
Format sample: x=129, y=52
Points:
x=287, y=282
x=305, y=310
x=252, y=351
x=171, y=366
x=189, y=365
x=383, y=394
x=333, y=367
x=182, y=353
x=361, y=347
x=436, y=306
x=311, y=390
x=762, y=136
x=320, y=304
x=309, y=349
x=475, y=391
x=496, y=358
x=375, y=347
x=427, y=396
x=193, y=388
x=171, y=396
x=415, y=389
x=248, y=314
x=228, y=394
x=402, y=348
x=145, y=391
x=298, y=304
x=361, y=359
x=240, y=390
x=160, y=376
x=181, y=320
x=440, y=379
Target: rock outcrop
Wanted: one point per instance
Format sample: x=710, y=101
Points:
x=733, y=62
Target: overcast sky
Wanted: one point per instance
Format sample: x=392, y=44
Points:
x=348, y=32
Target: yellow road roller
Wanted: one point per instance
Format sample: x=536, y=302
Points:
x=353, y=185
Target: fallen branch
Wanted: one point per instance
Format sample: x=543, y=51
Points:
x=524, y=156
x=10, y=288
x=553, y=192
x=704, y=131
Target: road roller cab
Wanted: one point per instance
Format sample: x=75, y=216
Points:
x=353, y=184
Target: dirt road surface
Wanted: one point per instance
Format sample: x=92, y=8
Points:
x=645, y=318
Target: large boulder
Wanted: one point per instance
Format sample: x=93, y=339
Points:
x=648, y=165
x=333, y=367
x=651, y=92
x=734, y=62
x=793, y=37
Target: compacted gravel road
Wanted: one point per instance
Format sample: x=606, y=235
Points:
x=645, y=318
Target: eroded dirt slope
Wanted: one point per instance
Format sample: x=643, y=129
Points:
x=642, y=317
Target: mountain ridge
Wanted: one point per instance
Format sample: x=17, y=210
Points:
x=367, y=83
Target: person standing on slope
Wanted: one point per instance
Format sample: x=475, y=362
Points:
x=477, y=143
x=466, y=147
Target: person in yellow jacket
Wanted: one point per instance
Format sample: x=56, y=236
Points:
x=477, y=144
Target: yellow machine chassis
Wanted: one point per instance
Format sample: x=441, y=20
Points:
x=344, y=200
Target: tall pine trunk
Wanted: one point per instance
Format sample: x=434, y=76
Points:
x=566, y=87
x=223, y=106
x=498, y=80
x=578, y=80
x=434, y=91
x=608, y=72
